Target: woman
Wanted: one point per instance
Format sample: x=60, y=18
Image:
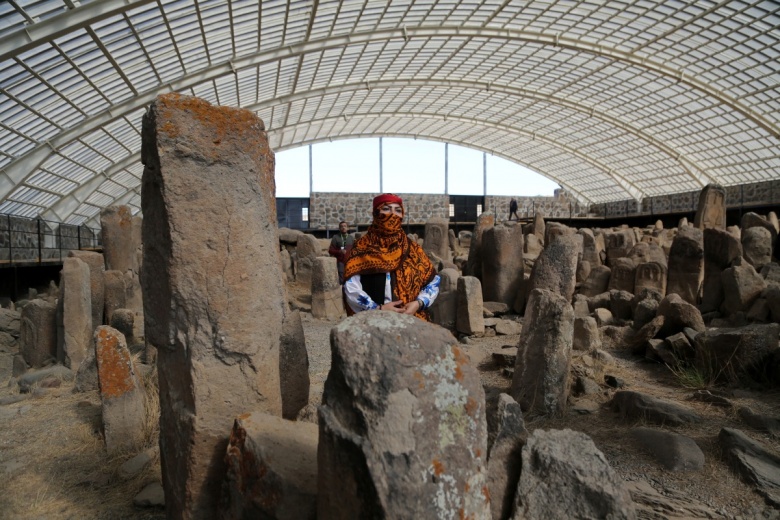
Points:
x=387, y=271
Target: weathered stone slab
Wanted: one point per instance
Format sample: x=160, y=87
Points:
x=541, y=379
x=119, y=245
x=591, y=247
x=412, y=446
x=686, y=264
x=729, y=353
x=597, y=281
x=76, y=312
x=586, y=335
x=556, y=268
x=444, y=311
x=623, y=275
x=650, y=275
x=437, y=238
x=272, y=469
x=38, y=332
x=756, y=465
x=721, y=248
x=474, y=263
x=743, y=285
x=293, y=366
x=470, y=319
x=87, y=375
x=757, y=246
x=97, y=289
x=565, y=476
x=306, y=252
x=115, y=293
x=327, y=301
x=121, y=396
x=214, y=292
x=502, y=263
x=711, y=209
x=675, y=452
x=618, y=244
x=637, y=406
x=505, y=457
x=678, y=314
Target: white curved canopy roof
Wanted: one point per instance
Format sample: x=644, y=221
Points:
x=613, y=100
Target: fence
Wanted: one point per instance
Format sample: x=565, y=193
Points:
x=28, y=241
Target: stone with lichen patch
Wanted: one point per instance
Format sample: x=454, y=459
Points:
x=402, y=424
x=122, y=397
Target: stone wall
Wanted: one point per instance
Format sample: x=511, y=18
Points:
x=327, y=209
x=561, y=205
x=742, y=195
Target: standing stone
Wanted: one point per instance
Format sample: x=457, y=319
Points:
x=751, y=219
x=541, y=379
x=556, y=268
x=729, y=353
x=293, y=366
x=412, y=446
x=122, y=397
x=326, y=296
x=502, y=263
x=214, y=293
x=586, y=336
x=76, y=311
x=123, y=321
x=97, y=270
x=470, y=319
x=444, y=311
x=38, y=332
x=721, y=248
x=650, y=275
x=757, y=246
x=116, y=224
x=306, y=252
x=115, y=295
x=505, y=457
x=743, y=285
x=565, y=476
x=618, y=244
x=686, y=264
x=474, y=263
x=539, y=228
x=597, y=281
x=272, y=469
x=437, y=238
x=711, y=211
x=623, y=275
x=591, y=248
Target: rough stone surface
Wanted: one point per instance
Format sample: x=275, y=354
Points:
x=97, y=270
x=444, y=310
x=326, y=296
x=644, y=312
x=121, y=396
x=675, y=452
x=721, y=248
x=10, y=322
x=470, y=319
x=437, y=238
x=650, y=275
x=474, y=264
x=272, y=469
x=678, y=314
x=591, y=247
x=38, y=332
x=115, y=293
x=152, y=495
x=541, y=379
x=742, y=285
x=214, y=293
x=505, y=457
x=711, y=209
x=293, y=366
x=586, y=334
x=76, y=312
x=502, y=263
x=402, y=424
x=123, y=321
x=307, y=250
x=623, y=275
x=757, y=246
x=597, y=281
x=750, y=220
x=565, y=476
x=556, y=268
x=508, y=327
x=121, y=234
x=728, y=353
x=87, y=375
x=756, y=465
x=686, y=264
x=637, y=406
x=620, y=304
x=618, y=244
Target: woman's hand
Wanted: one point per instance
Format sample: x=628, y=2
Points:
x=396, y=306
x=412, y=307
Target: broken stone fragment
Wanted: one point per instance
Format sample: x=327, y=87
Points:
x=637, y=406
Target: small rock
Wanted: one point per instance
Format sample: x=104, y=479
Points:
x=504, y=360
x=614, y=382
x=11, y=399
x=151, y=496
x=675, y=452
x=508, y=327
x=759, y=422
x=757, y=466
x=585, y=407
x=706, y=396
x=585, y=386
x=634, y=405
x=132, y=467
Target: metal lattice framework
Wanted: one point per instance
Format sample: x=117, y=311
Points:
x=613, y=100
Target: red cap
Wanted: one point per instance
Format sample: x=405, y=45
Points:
x=387, y=198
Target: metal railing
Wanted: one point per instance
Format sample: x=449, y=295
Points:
x=31, y=241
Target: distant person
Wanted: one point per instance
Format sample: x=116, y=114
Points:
x=340, y=245
x=513, y=209
x=387, y=271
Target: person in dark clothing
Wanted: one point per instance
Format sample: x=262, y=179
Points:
x=340, y=245
x=513, y=209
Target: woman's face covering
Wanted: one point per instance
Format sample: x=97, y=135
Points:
x=391, y=209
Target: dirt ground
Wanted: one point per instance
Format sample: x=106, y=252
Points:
x=53, y=463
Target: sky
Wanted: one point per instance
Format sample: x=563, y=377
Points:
x=408, y=166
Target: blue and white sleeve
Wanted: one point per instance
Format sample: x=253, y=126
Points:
x=356, y=297
x=429, y=293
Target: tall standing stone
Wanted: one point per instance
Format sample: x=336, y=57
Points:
x=115, y=293
x=541, y=379
x=97, y=270
x=539, y=226
x=214, y=293
x=556, y=268
x=76, y=311
x=711, y=211
x=116, y=224
x=306, y=252
x=326, y=295
x=618, y=244
x=293, y=366
x=721, y=248
x=121, y=396
x=474, y=263
x=591, y=249
x=402, y=424
x=757, y=246
x=502, y=263
x=38, y=332
x=437, y=238
x=686, y=264
x=444, y=311
x=470, y=319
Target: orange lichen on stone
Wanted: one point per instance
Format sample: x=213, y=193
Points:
x=471, y=405
x=244, y=416
x=114, y=366
x=438, y=467
x=486, y=493
x=222, y=120
x=420, y=379
x=125, y=216
x=460, y=360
